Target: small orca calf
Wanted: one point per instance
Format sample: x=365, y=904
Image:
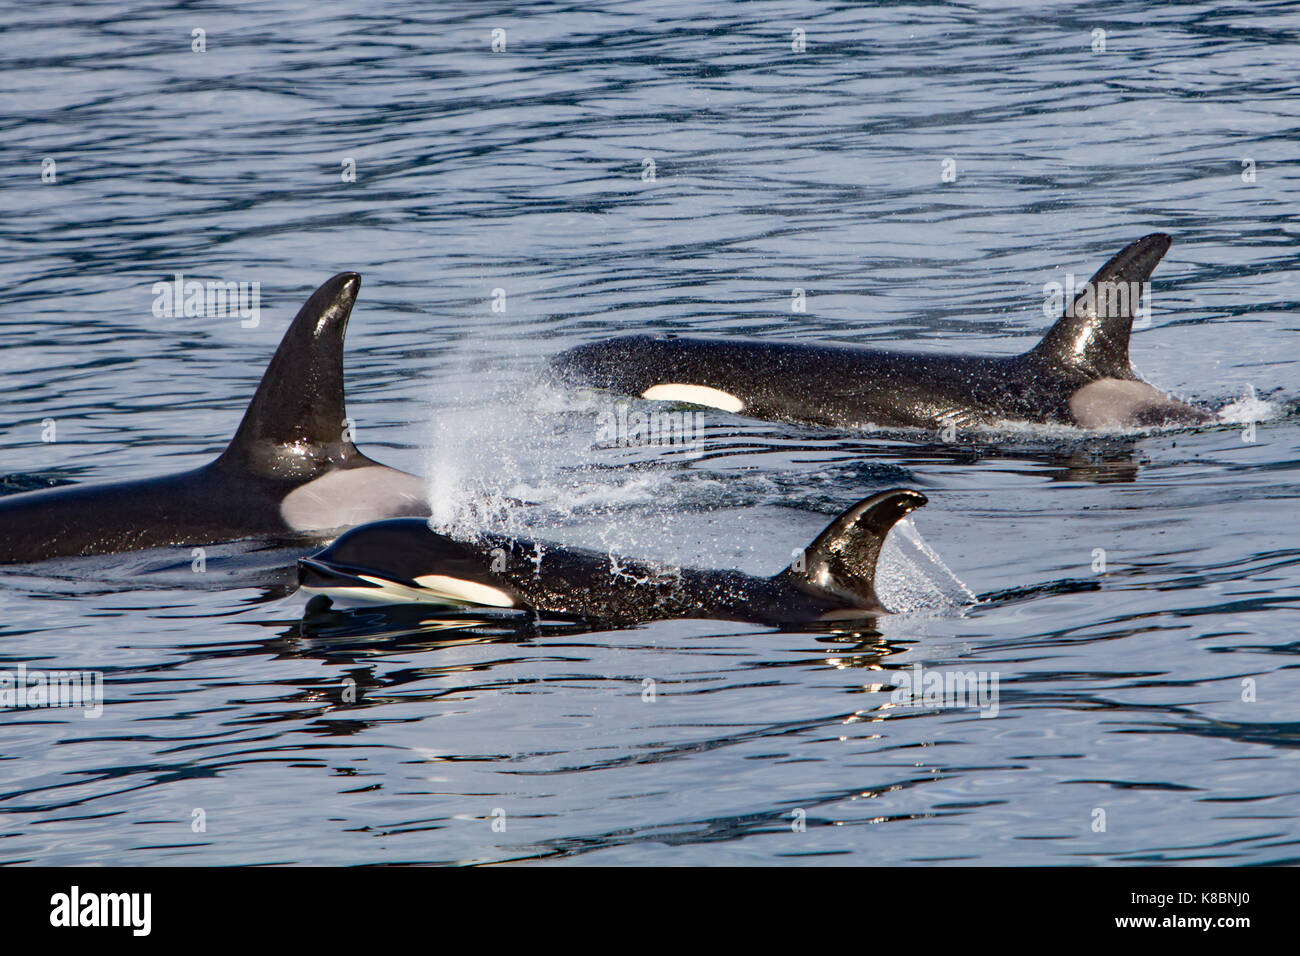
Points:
x=404, y=561
x=289, y=468
x=1079, y=374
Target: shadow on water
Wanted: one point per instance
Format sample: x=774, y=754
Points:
x=889, y=459
x=368, y=636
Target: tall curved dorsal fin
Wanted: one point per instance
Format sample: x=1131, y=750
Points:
x=294, y=425
x=842, y=560
x=1092, y=337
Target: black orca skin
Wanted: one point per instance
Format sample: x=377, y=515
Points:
x=1079, y=374
x=403, y=561
x=290, y=467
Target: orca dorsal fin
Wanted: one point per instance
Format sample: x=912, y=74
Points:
x=1092, y=336
x=842, y=559
x=294, y=425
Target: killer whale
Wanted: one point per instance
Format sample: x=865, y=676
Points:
x=403, y=561
x=290, y=468
x=1078, y=374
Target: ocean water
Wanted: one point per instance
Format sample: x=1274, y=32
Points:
x=1128, y=602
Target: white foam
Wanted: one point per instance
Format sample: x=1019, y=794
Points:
x=1249, y=409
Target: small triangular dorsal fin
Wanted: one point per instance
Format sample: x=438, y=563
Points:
x=294, y=424
x=1092, y=336
x=842, y=560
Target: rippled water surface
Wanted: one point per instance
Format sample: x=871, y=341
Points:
x=1146, y=712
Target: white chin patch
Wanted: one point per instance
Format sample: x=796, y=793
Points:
x=363, y=596
x=695, y=395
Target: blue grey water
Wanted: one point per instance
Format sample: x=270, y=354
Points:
x=680, y=166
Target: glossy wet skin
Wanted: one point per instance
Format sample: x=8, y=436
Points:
x=402, y=560
x=574, y=584
x=1079, y=374
x=289, y=467
x=840, y=385
x=822, y=385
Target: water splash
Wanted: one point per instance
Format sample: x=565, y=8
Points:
x=1249, y=409
x=492, y=447
x=530, y=461
x=911, y=577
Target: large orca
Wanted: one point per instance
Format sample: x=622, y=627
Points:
x=1079, y=374
x=291, y=467
x=404, y=561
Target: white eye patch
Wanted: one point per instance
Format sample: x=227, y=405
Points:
x=465, y=592
x=695, y=395
x=433, y=589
